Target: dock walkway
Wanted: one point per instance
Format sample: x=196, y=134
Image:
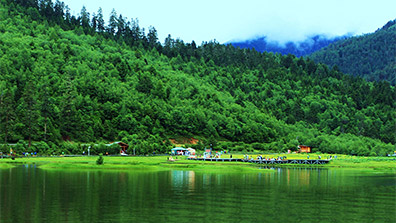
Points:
x=285, y=161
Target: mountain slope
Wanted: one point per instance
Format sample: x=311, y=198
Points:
x=298, y=49
x=371, y=56
x=74, y=82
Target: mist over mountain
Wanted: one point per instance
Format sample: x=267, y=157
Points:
x=371, y=56
x=302, y=48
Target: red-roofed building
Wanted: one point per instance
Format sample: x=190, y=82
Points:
x=304, y=149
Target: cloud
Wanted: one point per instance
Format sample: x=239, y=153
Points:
x=281, y=20
x=286, y=20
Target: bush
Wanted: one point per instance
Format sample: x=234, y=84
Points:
x=41, y=148
x=20, y=147
x=258, y=146
x=52, y=148
x=64, y=148
x=96, y=149
x=101, y=149
x=239, y=148
x=4, y=149
x=75, y=149
x=372, y=153
x=100, y=159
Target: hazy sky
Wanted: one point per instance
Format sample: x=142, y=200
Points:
x=281, y=20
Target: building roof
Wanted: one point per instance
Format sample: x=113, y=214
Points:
x=119, y=143
x=179, y=148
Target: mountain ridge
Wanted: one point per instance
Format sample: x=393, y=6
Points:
x=371, y=56
x=298, y=48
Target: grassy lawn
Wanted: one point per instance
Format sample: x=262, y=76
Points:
x=6, y=165
x=157, y=163
x=153, y=163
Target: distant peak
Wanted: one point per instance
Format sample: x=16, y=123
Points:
x=299, y=48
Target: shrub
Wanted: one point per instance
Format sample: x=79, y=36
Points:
x=372, y=153
x=52, y=148
x=258, y=146
x=239, y=148
x=100, y=159
x=41, y=148
x=4, y=149
x=101, y=149
x=20, y=147
x=113, y=149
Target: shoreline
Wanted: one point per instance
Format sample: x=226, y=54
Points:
x=161, y=163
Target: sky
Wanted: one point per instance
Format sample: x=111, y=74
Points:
x=235, y=20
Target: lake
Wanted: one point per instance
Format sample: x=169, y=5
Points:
x=31, y=194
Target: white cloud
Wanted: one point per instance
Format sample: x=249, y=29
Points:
x=280, y=20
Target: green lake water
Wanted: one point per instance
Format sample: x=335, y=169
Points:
x=31, y=194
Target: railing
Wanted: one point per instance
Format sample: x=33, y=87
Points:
x=263, y=161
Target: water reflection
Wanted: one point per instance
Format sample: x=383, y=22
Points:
x=188, y=181
x=30, y=194
x=183, y=179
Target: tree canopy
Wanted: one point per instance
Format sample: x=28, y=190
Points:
x=67, y=78
x=370, y=56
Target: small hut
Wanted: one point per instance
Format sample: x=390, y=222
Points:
x=123, y=146
x=179, y=151
x=304, y=149
x=191, y=151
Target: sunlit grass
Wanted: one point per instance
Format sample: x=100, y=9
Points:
x=153, y=163
x=162, y=163
x=6, y=166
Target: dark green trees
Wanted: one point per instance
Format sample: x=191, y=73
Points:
x=369, y=56
x=86, y=82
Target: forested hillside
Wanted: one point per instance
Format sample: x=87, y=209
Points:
x=299, y=49
x=371, y=56
x=66, y=78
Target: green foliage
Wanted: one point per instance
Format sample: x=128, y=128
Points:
x=20, y=147
x=64, y=79
x=369, y=56
x=42, y=148
x=100, y=159
x=4, y=149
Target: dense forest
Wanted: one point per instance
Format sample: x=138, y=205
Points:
x=69, y=81
x=299, y=49
x=371, y=56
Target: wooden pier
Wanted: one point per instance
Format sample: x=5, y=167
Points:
x=263, y=161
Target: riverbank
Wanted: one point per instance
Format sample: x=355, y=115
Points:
x=158, y=163
x=149, y=163
x=6, y=165
x=336, y=161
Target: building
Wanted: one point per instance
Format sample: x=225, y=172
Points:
x=123, y=146
x=191, y=151
x=304, y=149
x=179, y=151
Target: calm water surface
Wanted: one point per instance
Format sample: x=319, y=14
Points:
x=30, y=194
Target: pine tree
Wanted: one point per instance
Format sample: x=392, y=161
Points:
x=84, y=18
x=100, y=21
x=28, y=110
x=111, y=28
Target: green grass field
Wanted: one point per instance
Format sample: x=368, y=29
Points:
x=6, y=165
x=157, y=163
x=151, y=163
